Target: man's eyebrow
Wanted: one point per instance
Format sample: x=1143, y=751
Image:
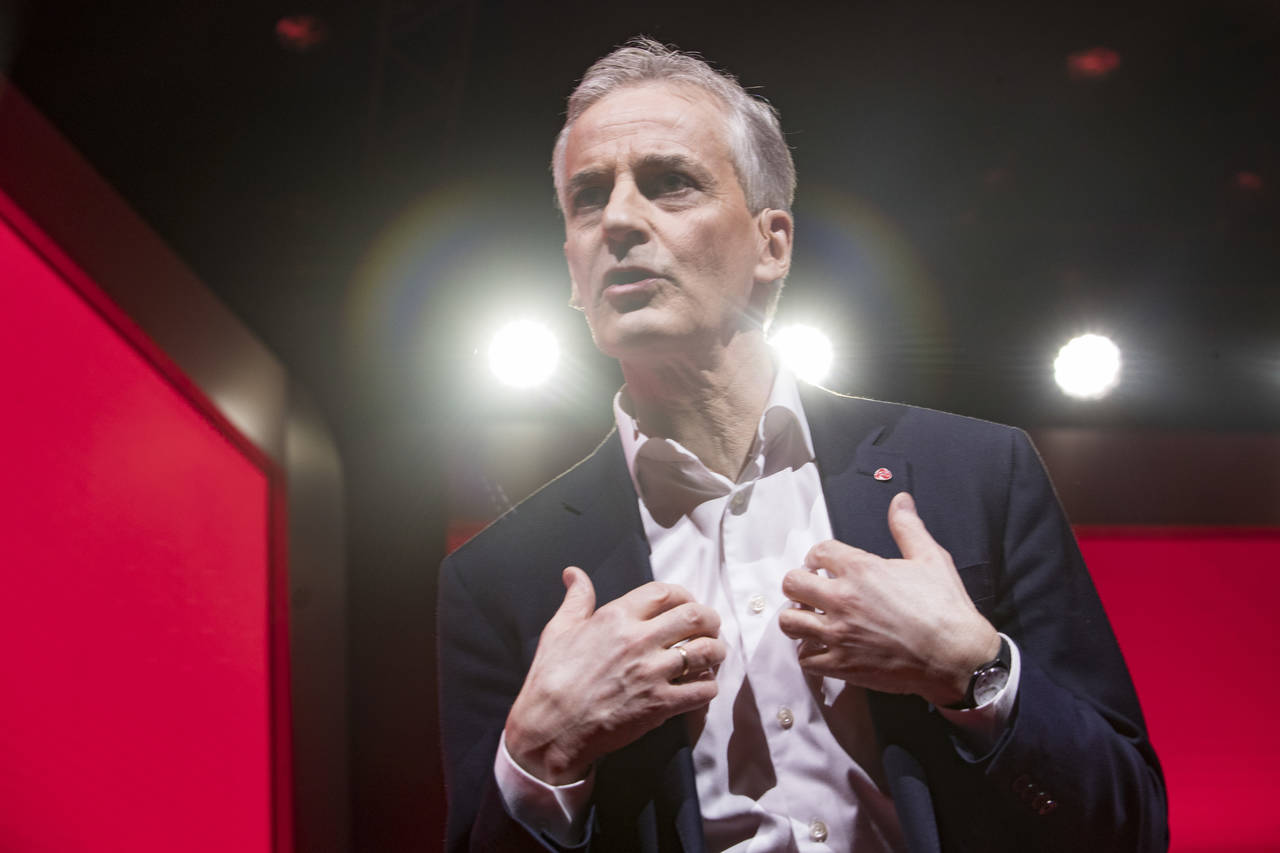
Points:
x=647, y=163
x=677, y=162
x=585, y=178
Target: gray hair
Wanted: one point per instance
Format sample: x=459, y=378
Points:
x=761, y=157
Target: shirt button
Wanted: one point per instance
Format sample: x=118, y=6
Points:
x=756, y=603
x=738, y=502
x=785, y=718
x=817, y=830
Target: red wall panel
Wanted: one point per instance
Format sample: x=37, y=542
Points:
x=1195, y=613
x=135, y=558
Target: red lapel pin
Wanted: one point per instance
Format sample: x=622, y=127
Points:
x=883, y=474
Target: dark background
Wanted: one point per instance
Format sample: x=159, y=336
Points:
x=370, y=195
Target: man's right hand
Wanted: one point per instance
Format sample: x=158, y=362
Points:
x=602, y=678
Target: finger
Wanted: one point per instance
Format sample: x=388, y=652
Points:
x=646, y=602
x=579, y=596
x=811, y=648
x=808, y=588
x=690, y=694
x=802, y=624
x=692, y=659
x=835, y=557
x=908, y=530
x=684, y=622
x=703, y=654
x=817, y=659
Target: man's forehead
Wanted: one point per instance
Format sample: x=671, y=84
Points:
x=659, y=119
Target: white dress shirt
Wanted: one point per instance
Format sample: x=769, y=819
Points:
x=783, y=761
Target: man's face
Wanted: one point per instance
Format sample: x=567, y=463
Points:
x=664, y=255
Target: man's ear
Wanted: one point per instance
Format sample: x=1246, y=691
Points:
x=576, y=300
x=776, y=229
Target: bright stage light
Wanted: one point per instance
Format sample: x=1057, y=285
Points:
x=805, y=350
x=1087, y=367
x=523, y=354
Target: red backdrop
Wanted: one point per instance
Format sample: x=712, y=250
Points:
x=135, y=562
x=1194, y=611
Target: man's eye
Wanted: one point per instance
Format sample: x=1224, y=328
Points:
x=673, y=182
x=589, y=197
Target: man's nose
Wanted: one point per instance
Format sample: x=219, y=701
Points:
x=625, y=219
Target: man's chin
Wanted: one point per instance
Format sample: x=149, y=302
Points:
x=632, y=338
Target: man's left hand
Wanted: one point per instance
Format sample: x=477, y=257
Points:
x=897, y=626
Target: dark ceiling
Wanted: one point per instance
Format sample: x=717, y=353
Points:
x=368, y=190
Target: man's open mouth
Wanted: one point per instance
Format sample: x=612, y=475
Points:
x=628, y=275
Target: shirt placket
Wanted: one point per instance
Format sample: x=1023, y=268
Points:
x=746, y=539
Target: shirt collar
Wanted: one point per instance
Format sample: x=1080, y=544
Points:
x=668, y=476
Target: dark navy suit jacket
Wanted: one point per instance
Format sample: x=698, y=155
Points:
x=1074, y=771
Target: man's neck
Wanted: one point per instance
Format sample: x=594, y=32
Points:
x=711, y=405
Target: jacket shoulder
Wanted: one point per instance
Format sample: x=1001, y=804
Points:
x=601, y=475
x=901, y=423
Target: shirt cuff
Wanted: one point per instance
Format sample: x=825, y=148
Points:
x=560, y=811
x=980, y=728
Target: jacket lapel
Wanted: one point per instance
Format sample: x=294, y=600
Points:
x=846, y=435
x=608, y=537
x=646, y=795
x=847, y=432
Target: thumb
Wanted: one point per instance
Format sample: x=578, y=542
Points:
x=579, y=595
x=908, y=530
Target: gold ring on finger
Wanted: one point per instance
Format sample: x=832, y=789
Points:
x=684, y=661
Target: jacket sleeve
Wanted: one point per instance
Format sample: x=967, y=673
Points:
x=1075, y=769
x=480, y=674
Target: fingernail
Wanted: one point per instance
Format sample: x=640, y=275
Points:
x=906, y=502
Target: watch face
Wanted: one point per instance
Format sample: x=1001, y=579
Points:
x=989, y=683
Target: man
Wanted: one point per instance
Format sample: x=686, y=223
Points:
x=761, y=617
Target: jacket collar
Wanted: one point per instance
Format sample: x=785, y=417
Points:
x=849, y=440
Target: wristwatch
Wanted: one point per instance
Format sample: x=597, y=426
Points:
x=987, y=680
